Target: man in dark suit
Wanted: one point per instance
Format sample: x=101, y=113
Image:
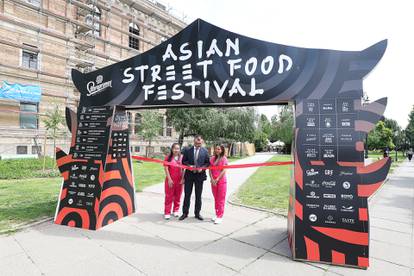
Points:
x=196, y=157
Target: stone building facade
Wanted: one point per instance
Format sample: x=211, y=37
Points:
x=42, y=40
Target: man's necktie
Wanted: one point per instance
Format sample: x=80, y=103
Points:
x=196, y=157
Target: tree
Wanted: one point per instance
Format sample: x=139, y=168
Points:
x=264, y=125
x=260, y=140
x=283, y=126
x=52, y=120
x=380, y=137
x=150, y=126
x=398, y=134
x=263, y=132
x=186, y=121
x=223, y=125
x=409, y=131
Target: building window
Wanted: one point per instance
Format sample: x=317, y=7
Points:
x=94, y=19
x=21, y=150
x=36, y=149
x=137, y=149
x=30, y=59
x=133, y=41
x=28, y=116
x=35, y=3
x=138, y=121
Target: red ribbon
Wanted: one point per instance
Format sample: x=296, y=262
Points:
x=238, y=166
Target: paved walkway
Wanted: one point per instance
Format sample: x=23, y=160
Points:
x=248, y=242
x=235, y=177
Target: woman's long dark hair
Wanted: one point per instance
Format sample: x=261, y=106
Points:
x=221, y=154
x=171, y=151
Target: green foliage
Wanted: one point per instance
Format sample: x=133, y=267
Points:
x=380, y=137
x=262, y=133
x=283, y=124
x=260, y=140
x=264, y=125
x=53, y=119
x=223, y=125
x=409, y=131
x=239, y=125
x=151, y=125
x=27, y=168
x=398, y=133
x=185, y=120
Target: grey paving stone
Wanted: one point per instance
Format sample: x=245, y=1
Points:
x=18, y=264
x=228, y=226
x=231, y=253
x=282, y=248
x=392, y=253
x=389, y=236
x=57, y=247
x=8, y=247
x=376, y=268
x=405, y=227
x=272, y=264
x=261, y=237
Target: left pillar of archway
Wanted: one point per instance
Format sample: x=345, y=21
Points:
x=98, y=185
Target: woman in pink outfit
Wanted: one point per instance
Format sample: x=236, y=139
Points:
x=173, y=182
x=218, y=182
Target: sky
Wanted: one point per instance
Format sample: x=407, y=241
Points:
x=341, y=25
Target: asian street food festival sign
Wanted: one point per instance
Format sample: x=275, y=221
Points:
x=204, y=65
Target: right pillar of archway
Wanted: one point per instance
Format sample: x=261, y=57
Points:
x=328, y=218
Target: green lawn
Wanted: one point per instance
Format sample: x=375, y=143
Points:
x=27, y=168
x=24, y=200
x=268, y=187
x=147, y=174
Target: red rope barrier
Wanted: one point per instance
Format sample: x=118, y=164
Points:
x=237, y=166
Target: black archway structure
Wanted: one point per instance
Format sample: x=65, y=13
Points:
x=204, y=65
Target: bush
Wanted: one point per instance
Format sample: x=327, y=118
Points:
x=27, y=168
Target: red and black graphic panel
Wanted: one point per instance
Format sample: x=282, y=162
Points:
x=329, y=209
x=118, y=191
x=96, y=183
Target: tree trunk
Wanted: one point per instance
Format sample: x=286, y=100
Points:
x=44, y=152
x=54, y=148
x=181, y=139
x=147, y=152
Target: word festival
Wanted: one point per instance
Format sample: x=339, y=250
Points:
x=184, y=70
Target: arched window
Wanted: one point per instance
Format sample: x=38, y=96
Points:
x=133, y=41
x=94, y=19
